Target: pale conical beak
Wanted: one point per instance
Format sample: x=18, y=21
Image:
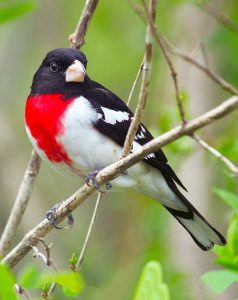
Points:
x=75, y=72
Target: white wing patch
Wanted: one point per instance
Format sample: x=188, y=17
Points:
x=112, y=116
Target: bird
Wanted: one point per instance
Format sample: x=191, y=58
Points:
x=79, y=127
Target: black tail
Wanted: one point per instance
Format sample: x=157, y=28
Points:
x=197, y=226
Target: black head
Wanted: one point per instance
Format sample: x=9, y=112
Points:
x=62, y=71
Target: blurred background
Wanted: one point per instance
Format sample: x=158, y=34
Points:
x=131, y=229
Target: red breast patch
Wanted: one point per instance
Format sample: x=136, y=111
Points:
x=43, y=117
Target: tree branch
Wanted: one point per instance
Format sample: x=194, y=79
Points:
x=20, y=204
x=174, y=74
x=216, y=153
x=146, y=76
x=218, y=16
x=112, y=171
x=208, y=71
x=77, y=38
x=135, y=83
x=89, y=233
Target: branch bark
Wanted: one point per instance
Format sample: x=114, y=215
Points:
x=174, y=74
x=77, y=38
x=20, y=204
x=146, y=76
x=216, y=153
x=218, y=16
x=112, y=171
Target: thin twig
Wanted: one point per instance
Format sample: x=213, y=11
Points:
x=49, y=262
x=208, y=71
x=20, y=290
x=20, y=203
x=114, y=170
x=216, y=153
x=218, y=16
x=174, y=74
x=89, y=233
x=146, y=76
x=135, y=83
x=138, y=9
x=227, y=86
x=77, y=38
x=204, y=55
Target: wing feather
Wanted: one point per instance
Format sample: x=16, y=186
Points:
x=101, y=99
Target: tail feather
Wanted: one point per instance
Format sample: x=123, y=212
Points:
x=204, y=234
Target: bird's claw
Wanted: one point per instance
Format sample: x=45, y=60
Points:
x=91, y=177
x=51, y=217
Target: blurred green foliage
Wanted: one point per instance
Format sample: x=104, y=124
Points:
x=7, y=283
x=227, y=256
x=132, y=229
x=151, y=285
x=10, y=10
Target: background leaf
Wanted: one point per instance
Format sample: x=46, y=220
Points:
x=10, y=10
x=7, y=282
x=71, y=281
x=229, y=198
x=151, y=286
x=219, y=280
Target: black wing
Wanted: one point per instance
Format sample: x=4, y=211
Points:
x=101, y=97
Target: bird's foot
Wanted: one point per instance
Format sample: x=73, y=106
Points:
x=91, y=177
x=51, y=217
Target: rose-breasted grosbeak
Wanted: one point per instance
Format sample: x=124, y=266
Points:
x=80, y=126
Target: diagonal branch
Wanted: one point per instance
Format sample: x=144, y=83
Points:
x=219, y=16
x=89, y=233
x=174, y=74
x=114, y=170
x=216, y=153
x=20, y=204
x=77, y=38
x=227, y=86
x=146, y=76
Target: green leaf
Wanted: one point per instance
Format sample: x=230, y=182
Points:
x=29, y=277
x=232, y=234
x=228, y=197
x=151, y=286
x=219, y=280
x=72, y=281
x=7, y=281
x=13, y=9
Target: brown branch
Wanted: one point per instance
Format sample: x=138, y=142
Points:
x=174, y=74
x=21, y=291
x=218, y=16
x=112, y=171
x=49, y=262
x=89, y=233
x=20, y=204
x=146, y=76
x=135, y=83
x=208, y=71
x=77, y=38
x=216, y=153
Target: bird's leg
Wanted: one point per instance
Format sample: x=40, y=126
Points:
x=51, y=217
x=91, y=177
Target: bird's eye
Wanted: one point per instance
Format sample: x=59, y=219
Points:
x=54, y=67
